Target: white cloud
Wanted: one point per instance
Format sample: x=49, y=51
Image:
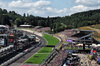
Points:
x=15, y=4
x=56, y=10
x=45, y=8
x=48, y=11
x=26, y=4
x=79, y=8
x=26, y=1
x=88, y=2
x=2, y=4
x=41, y=3
x=38, y=8
x=85, y=5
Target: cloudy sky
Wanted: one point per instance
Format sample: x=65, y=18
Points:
x=51, y=8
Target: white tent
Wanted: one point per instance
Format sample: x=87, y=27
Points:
x=3, y=26
x=94, y=45
x=26, y=26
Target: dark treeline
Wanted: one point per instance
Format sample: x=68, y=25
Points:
x=55, y=23
x=80, y=19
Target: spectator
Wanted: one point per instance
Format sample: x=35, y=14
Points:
x=89, y=61
x=91, y=53
x=98, y=59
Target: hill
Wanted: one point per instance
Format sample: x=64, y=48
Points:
x=56, y=24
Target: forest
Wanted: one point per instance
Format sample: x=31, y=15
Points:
x=58, y=24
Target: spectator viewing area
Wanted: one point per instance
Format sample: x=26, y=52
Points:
x=84, y=37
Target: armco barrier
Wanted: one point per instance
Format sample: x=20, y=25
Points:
x=53, y=54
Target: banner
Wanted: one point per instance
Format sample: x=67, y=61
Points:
x=69, y=40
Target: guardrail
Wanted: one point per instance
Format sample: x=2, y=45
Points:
x=53, y=54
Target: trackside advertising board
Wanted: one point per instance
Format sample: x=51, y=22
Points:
x=69, y=40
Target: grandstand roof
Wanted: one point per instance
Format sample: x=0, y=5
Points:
x=85, y=30
x=25, y=25
x=82, y=36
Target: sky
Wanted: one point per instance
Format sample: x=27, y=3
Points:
x=52, y=8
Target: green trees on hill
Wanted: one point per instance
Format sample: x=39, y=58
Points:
x=5, y=19
x=81, y=19
x=17, y=21
x=57, y=27
x=55, y=23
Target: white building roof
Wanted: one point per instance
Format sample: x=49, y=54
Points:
x=3, y=26
x=25, y=25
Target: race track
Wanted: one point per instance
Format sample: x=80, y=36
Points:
x=28, y=55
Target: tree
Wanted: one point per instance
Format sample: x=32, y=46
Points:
x=4, y=11
x=24, y=15
x=18, y=22
x=0, y=11
x=5, y=20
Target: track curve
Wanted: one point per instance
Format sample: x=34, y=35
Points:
x=28, y=55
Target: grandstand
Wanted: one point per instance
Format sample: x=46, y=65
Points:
x=74, y=37
x=83, y=36
x=79, y=36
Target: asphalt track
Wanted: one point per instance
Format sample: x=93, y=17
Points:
x=28, y=55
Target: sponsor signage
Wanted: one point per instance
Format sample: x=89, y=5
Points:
x=69, y=40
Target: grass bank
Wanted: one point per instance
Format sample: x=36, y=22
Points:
x=51, y=40
x=37, y=58
x=41, y=55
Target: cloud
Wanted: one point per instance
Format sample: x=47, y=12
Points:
x=48, y=11
x=38, y=8
x=84, y=5
x=78, y=8
x=26, y=4
x=88, y=2
x=41, y=3
x=46, y=7
x=56, y=10
x=2, y=4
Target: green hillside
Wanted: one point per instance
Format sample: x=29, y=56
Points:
x=58, y=24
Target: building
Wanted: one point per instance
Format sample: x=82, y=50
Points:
x=26, y=26
x=84, y=37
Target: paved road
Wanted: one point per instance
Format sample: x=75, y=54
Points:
x=28, y=55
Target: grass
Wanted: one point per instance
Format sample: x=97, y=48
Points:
x=84, y=28
x=96, y=26
x=37, y=58
x=51, y=40
x=46, y=50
